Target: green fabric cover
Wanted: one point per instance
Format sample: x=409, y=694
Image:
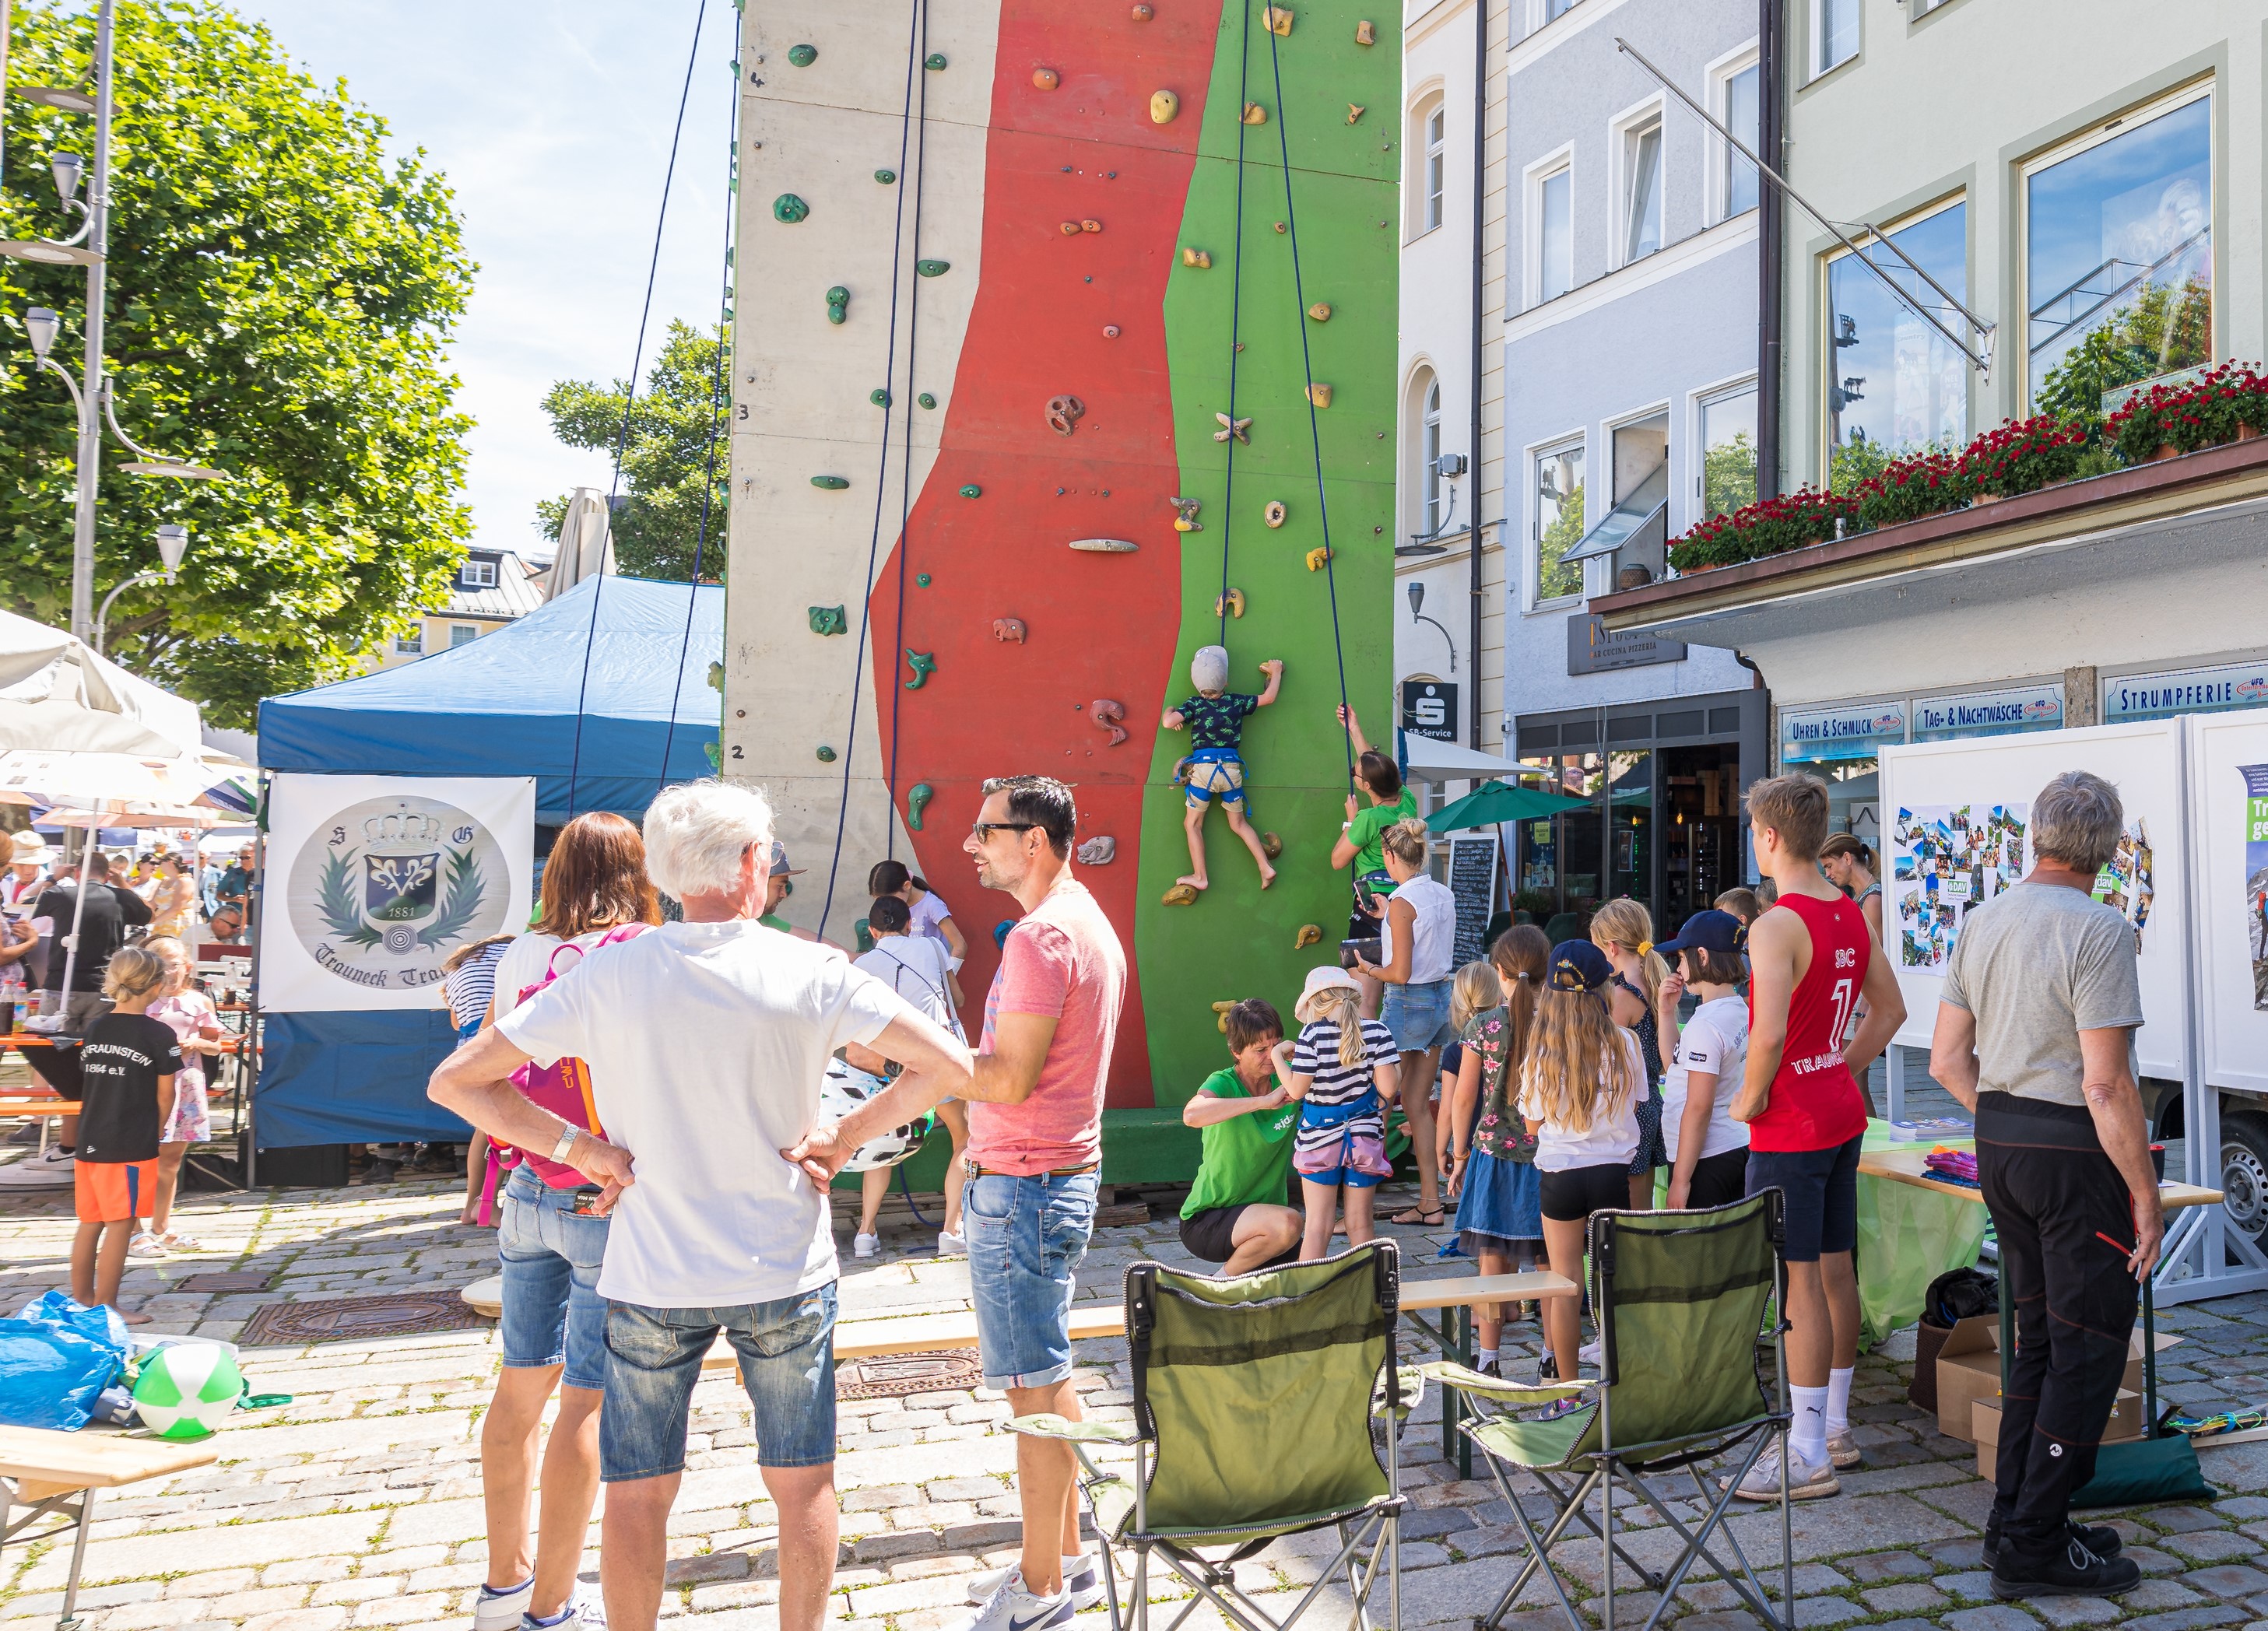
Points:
x=1907, y=1237
x=1248, y=1158
x=1682, y=1311
x=2144, y=1470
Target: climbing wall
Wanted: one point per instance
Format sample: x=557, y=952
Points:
x=1044, y=395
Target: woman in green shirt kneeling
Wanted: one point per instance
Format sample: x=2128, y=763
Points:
x=1235, y=1213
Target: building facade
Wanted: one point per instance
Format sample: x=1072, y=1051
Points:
x=492, y=588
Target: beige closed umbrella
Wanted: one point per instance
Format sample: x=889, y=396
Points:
x=587, y=543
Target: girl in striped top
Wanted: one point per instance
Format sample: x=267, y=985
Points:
x=1343, y=1070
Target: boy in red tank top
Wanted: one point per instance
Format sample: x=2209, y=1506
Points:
x=1810, y=961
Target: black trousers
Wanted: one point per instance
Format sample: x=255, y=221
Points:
x=2065, y=1223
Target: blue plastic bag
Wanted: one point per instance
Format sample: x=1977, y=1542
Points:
x=56, y=1357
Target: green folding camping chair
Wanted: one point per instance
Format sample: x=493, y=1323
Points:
x=1253, y=1405
x=1681, y=1299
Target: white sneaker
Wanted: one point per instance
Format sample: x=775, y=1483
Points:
x=585, y=1607
x=1011, y=1608
x=1590, y=1354
x=1843, y=1449
x=950, y=1244
x=1812, y=1483
x=502, y=1611
x=865, y=1245
x=146, y=1244
x=1080, y=1579
x=51, y=1171
x=174, y=1240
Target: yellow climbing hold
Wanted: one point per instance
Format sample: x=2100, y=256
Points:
x=1278, y=20
x=1183, y=894
x=1230, y=604
x=1316, y=557
x=1318, y=394
x=1163, y=105
x=1310, y=934
x=1196, y=257
x=1255, y=115
x=1220, y=1010
x=1355, y=111
x=1271, y=845
x=1364, y=33
x=1320, y=312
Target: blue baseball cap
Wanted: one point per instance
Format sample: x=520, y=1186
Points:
x=1578, y=965
x=1707, y=931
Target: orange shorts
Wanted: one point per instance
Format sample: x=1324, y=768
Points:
x=112, y=1191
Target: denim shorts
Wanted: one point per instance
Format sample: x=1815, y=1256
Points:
x=1026, y=1238
x=786, y=1348
x=1418, y=1016
x=553, y=1313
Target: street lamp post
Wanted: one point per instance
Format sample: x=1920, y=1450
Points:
x=173, y=544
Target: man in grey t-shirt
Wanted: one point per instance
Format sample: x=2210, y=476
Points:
x=2036, y=1034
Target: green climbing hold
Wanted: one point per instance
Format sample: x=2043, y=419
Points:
x=922, y=578
x=832, y=483
x=917, y=798
x=838, y=305
x=932, y=269
x=878, y=397
x=972, y=491
x=803, y=56
x=788, y=208
x=829, y=620
x=886, y=177
x=826, y=754
x=717, y=678
x=924, y=664
x=926, y=399
x=934, y=61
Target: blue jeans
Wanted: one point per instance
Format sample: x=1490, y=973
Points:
x=1418, y=1016
x=553, y=1313
x=786, y=1348
x=1026, y=1238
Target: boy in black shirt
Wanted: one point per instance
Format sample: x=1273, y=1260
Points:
x=126, y=1066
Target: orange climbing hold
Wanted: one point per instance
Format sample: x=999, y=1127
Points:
x=1045, y=78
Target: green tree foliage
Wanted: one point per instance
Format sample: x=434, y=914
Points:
x=1728, y=474
x=668, y=468
x=2161, y=329
x=1858, y=458
x=1555, y=578
x=280, y=293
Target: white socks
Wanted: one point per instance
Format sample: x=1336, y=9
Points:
x=1484, y=1356
x=1839, y=1401
x=1807, y=1435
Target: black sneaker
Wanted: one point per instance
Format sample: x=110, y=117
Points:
x=2072, y=1571
x=2099, y=1538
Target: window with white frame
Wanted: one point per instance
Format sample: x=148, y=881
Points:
x=1894, y=383
x=1437, y=144
x=1727, y=480
x=462, y=634
x=1739, y=88
x=2119, y=255
x=1641, y=224
x=411, y=644
x=1555, y=234
x=1554, y=9
x=1429, y=458
x=1834, y=33
x=477, y=575
x=1558, y=522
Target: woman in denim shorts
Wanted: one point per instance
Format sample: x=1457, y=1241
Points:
x=553, y=1325
x=1419, y=942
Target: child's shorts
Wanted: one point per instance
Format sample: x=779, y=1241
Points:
x=1357, y=1160
x=112, y=1191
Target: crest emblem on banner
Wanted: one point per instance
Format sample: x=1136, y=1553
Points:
x=388, y=888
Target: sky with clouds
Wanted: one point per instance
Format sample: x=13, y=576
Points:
x=552, y=120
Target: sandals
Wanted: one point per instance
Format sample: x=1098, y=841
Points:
x=1421, y=1217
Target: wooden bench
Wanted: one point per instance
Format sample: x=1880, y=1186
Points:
x=55, y=1474
x=40, y=1108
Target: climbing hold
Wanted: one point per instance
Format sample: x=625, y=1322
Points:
x=788, y=208
x=1318, y=394
x=926, y=399
x=829, y=620
x=1197, y=258
x=1220, y=1013
x=1098, y=851
x=922, y=579
x=932, y=269
x=1355, y=111
x=1110, y=331
x=716, y=676
x=1069, y=229
x=917, y=798
x=1320, y=312
x=1310, y=934
x=1186, y=894
x=838, y=305
x=1163, y=105
x=832, y=483
x=1063, y=414
x=1000, y=931
x=1280, y=227
x=826, y=754
x=935, y=61
x=1317, y=557
x=1271, y=845
x=1278, y=20
x=1110, y=716
x=1103, y=545
x=1255, y=115
x=1008, y=629
x=886, y=177
x=1045, y=78
x=1186, y=520
x=1365, y=34
x=803, y=56
x=1143, y=14
x=1230, y=604
x=924, y=664
x=972, y=491
x=1274, y=513
x=878, y=397
x=1241, y=428
x=1090, y=225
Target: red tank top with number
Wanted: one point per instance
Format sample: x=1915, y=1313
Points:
x=1815, y=1101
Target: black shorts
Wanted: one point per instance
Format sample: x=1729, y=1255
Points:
x=1822, y=1191
x=1572, y=1196
x=1718, y=1180
x=1210, y=1235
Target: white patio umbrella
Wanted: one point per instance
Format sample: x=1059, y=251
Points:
x=587, y=543
x=56, y=693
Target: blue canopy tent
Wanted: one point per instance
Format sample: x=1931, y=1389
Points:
x=587, y=694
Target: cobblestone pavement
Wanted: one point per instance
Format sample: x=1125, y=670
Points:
x=357, y=1505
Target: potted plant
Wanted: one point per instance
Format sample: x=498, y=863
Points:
x=1910, y=488
x=2227, y=405
x=1770, y=526
x=2024, y=456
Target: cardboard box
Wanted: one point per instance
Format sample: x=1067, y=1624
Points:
x=1984, y=1414
x=1968, y=1369
x=2133, y=1378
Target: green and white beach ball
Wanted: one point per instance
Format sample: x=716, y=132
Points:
x=187, y=1390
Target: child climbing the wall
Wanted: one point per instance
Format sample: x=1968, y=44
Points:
x=1343, y=1070
x=1215, y=720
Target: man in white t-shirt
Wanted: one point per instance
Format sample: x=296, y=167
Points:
x=706, y=1041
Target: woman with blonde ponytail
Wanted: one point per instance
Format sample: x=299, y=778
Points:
x=1623, y=930
x=1342, y=1071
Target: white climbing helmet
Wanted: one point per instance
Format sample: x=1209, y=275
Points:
x=842, y=1091
x=1208, y=668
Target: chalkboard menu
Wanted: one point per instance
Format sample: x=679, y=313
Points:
x=1472, y=879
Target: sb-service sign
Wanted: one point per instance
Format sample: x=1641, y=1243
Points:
x=1429, y=708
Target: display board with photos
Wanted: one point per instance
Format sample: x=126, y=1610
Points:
x=2228, y=842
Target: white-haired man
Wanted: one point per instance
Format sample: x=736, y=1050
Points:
x=706, y=1041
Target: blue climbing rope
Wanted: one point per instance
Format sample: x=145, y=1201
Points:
x=1235, y=317
x=906, y=444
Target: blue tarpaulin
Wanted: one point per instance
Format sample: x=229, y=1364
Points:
x=520, y=701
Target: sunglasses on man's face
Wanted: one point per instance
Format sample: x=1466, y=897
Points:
x=984, y=830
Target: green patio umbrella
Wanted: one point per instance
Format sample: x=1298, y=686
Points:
x=1501, y=801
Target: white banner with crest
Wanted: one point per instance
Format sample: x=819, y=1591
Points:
x=371, y=881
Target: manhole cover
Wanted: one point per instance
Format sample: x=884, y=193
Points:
x=899, y=1375
x=227, y=1280
x=333, y=1320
